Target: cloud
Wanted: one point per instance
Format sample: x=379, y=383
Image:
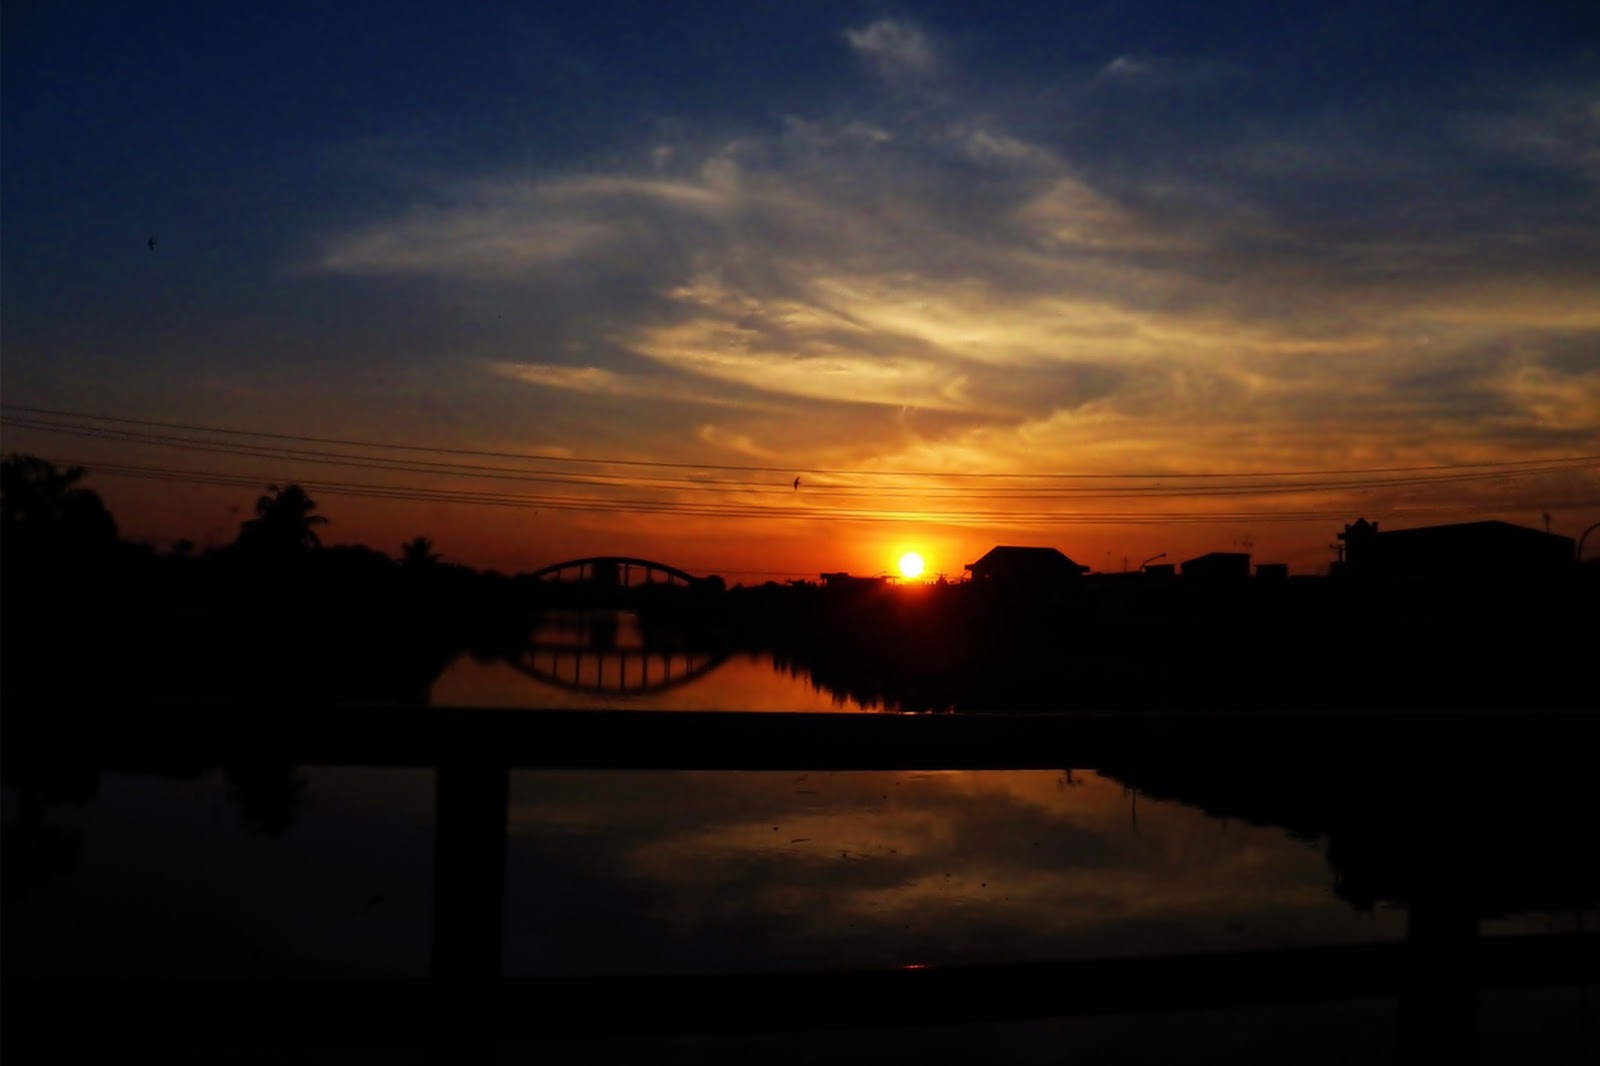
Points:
x=1124, y=68
x=499, y=242
x=1539, y=383
x=896, y=48
x=1067, y=213
x=596, y=381
x=577, y=378
x=498, y=229
x=1552, y=402
x=740, y=444
x=1142, y=71
x=946, y=283
x=726, y=352
x=1553, y=126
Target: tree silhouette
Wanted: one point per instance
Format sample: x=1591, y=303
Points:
x=418, y=554
x=41, y=507
x=283, y=523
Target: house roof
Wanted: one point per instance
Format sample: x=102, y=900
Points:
x=1013, y=554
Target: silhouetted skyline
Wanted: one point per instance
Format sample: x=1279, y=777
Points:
x=1031, y=630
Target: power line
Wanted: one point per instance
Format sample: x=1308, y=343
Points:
x=1462, y=473
x=718, y=510
x=664, y=464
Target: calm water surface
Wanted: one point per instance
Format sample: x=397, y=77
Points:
x=327, y=871
x=652, y=872
x=597, y=660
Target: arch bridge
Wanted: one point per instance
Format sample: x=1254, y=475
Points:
x=616, y=571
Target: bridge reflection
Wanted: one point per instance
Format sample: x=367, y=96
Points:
x=615, y=671
x=612, y=653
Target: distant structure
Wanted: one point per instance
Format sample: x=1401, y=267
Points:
x=1217, y=566
x=1272, y=571
x=1014, y=567
x=846, y=582
x=1464, y=550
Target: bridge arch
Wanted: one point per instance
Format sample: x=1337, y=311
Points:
x=615, y=571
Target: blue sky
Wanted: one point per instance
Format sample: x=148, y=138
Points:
x=1111, y=238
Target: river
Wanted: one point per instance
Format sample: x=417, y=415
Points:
x=596, y=660
x=315, y=871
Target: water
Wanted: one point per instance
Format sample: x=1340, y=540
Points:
x=718, y=872
x=595, y=660
x=740, y=682
x=316, y=871
x=651, y=872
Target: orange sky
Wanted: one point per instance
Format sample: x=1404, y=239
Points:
x=787, y=532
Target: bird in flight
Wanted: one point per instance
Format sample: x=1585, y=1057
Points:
x=797, y=484
x=152, y=243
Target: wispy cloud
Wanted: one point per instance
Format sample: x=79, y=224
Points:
x=1549, y=126
x=590, y=379
x=599, y=382
x=741, y=444
x=897, y=48
x=1143, y=71
x=504, y=228
x=722, y=350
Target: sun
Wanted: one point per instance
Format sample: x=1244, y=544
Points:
x=911, y=565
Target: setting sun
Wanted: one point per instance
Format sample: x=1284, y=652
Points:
x=911, y=565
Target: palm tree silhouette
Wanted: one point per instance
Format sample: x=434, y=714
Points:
x=283, y=522
x=417, y=554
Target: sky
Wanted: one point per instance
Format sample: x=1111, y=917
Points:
x=541, y=281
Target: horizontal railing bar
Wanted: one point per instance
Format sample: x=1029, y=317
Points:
x=129, y=1013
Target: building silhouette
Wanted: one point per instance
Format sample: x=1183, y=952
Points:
x=1466, y=550
x=1010, y=566
x=1217, y=566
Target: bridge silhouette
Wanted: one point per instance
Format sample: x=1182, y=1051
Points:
x=619, y=581
x=596, y=661
x=616, y=571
